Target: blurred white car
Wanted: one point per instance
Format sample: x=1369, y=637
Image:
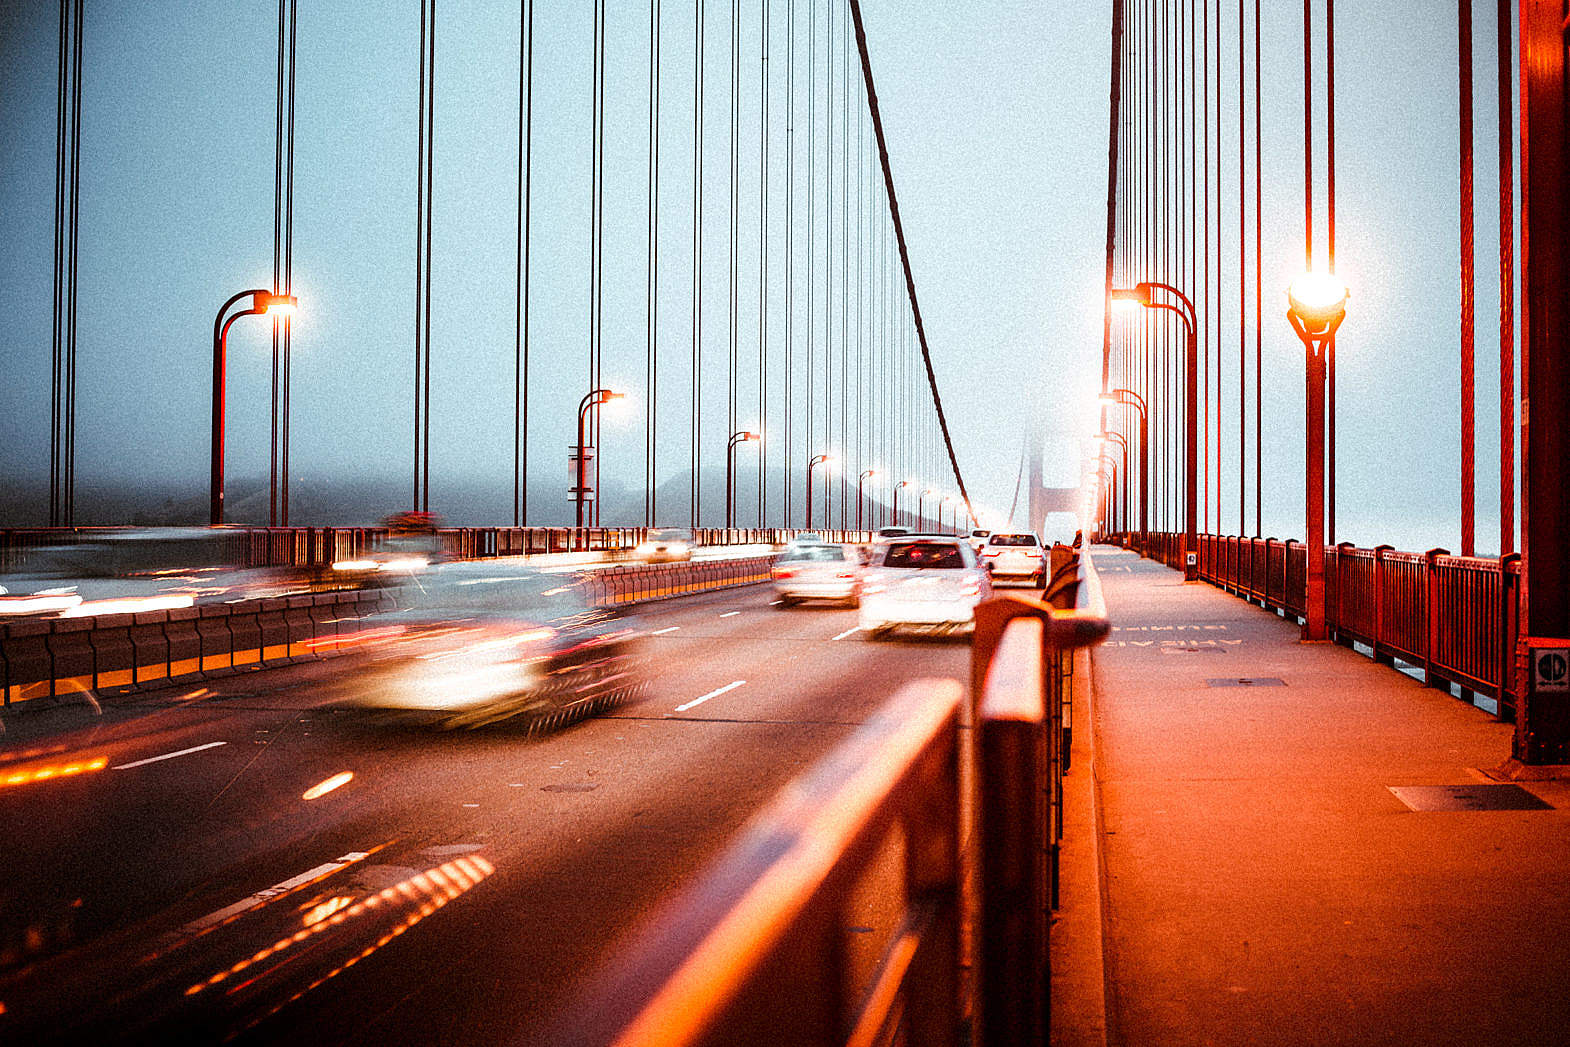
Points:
x=665, y=545
x=1015, y=557
x=932, y=582
x=818, y=572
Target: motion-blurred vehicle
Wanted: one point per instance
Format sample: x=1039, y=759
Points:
x=928, y=581
x=818, y=572
x=473, y=643
x=893, y=532
x=665, y=545
x=1015, y=557
x=978, y=538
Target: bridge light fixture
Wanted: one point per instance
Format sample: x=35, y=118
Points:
x=1317, y=302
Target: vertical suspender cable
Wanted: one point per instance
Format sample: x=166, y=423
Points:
x=430, y=204
x=1205, y=334
x=57, y=353
x=828, y=266
x=1242, y=268
x=1507, y=432
x=696, y=433
x=1468, y=392
x=419, y=257
x=1113, y=116
x=733, y=361
x=75, y=219
x=1259, y=291
x=288, y=275
x=597, y=236
x=789, y=472
x=763, y=266
x=1330, y=255
x=652, y=276
x=845, y=290
x=812, y=219
x=277, y=284
x=520, y=431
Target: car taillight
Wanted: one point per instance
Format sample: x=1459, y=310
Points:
x=784, y=572
x=845, y=575
x=992, y=552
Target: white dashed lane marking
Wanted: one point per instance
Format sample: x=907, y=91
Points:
x=712, y=694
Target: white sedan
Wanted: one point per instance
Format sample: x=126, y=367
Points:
x=1015, y=557
x=818, y=572
x=928, y=581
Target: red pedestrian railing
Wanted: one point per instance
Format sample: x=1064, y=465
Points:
x=1454, y=617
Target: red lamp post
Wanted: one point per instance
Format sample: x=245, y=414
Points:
x=1143, y=294
x=730, y=473
x=1129, y=398
x=262, y=301
x=1316, y=307
x=594, y=399
x=817, y=460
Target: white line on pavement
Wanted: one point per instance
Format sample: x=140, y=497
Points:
x=847, y=632
x=667, y=629
x=166, y=756
x=263, y=896
x=712, y=694
x=730, y=614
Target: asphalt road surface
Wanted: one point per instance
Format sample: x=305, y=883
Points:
x=238, y=860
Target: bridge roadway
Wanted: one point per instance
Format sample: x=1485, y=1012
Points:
x=141, y=884
x=1261, y=879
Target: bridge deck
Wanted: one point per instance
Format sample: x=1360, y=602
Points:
x=1263, y=883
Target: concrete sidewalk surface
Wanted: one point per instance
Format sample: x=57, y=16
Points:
x=1297, y=845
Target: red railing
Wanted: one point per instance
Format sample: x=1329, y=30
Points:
x=1454, y=617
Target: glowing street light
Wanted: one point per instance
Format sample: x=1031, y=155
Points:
x=730, y=472
x=262, y=302
x=902, y=483
x=921, y=500
x=827, y=461
x=860, y=480
x=595, y=398
x=1316, y=305
x=1129, y=398
x=1143, y=295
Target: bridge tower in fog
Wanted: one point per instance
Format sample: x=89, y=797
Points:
x=1044, y=499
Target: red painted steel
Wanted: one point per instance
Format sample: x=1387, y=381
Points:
x=1455, y=617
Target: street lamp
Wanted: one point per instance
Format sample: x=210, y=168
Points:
x=1129, y=398
x=860, y=480
x=1143, y=295
x=262, y=301
x=954, y=519
x=826, y=460
x=595, y=398
x=1107, y=484
x=1104, y=436
x=921, y=516
x=1316, y=305
x=730, y=473
x=902, y=483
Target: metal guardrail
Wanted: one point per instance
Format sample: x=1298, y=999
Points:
x=320, y=546
x=758, y=950
x=1454, y=617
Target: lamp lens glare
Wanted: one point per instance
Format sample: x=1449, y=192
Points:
x=1317, y=298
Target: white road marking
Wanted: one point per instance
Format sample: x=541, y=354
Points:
x=730, y=614
x=847, y=632
x=166, y=756
x=667, y=629
x=712, y=694
x=775, y=603
x=263, y=896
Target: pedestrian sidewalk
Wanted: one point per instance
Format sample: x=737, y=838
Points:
x=1260, y=880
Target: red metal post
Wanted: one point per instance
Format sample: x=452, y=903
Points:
x=1468, y=395
x=1543, y=726
x=1314, y=629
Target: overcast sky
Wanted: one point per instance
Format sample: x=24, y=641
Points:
x=996, y=115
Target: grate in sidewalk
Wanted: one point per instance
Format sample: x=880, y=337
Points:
x=1474, y=797
x=1247, y=681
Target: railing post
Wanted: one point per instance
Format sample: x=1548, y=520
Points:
x=1380, y=588
x=1431, y=616
x=1338, y=587
x=1509, y=630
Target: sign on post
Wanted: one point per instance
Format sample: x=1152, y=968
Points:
x=572, y=473
x=1550, y=670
